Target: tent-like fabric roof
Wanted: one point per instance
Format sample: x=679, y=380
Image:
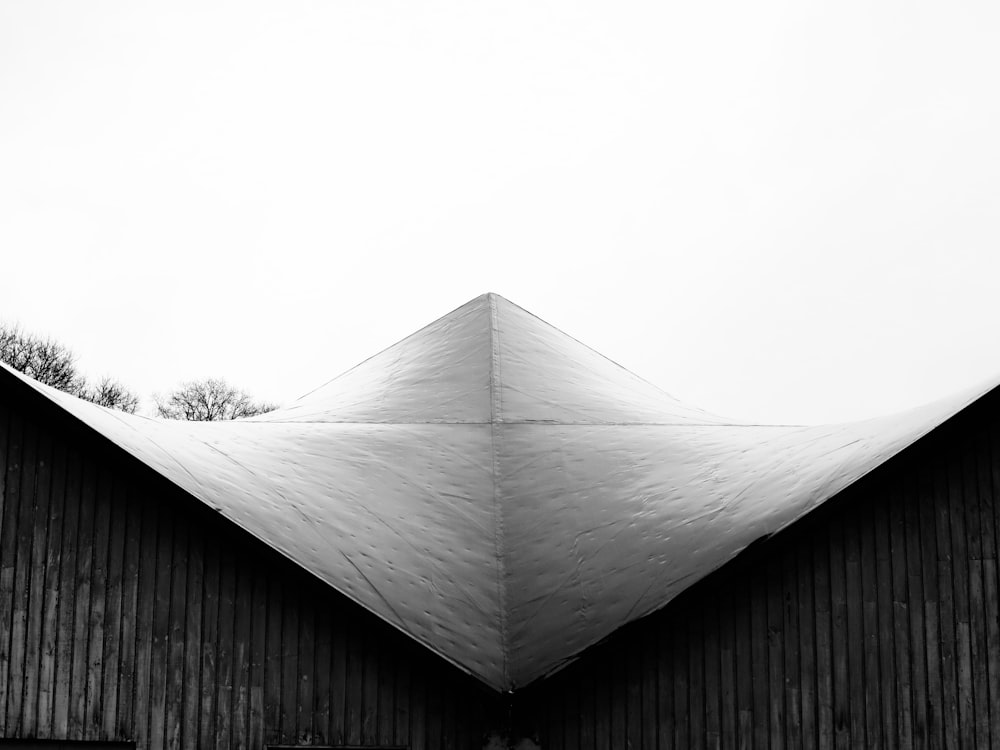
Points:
x=501, y=492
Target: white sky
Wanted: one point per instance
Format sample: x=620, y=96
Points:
x=780, y=211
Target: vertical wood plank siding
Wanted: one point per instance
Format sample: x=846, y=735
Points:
x=129, y=611
x=872, y=623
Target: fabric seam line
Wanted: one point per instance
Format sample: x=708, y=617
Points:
x=495, y=437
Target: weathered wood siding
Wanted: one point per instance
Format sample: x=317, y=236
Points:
x=872, y=623
x=129, y=611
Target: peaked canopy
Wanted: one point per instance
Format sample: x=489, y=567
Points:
x=502, y=493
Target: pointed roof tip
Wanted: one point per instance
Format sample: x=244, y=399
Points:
x=493, y=297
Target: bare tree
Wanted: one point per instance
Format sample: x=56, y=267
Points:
x=54, y=364
x=43, y=359
x=209, y=400
x=111, y=394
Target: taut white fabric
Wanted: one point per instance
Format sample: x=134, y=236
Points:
x=502, y=493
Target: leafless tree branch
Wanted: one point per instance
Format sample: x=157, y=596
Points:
x=54, y=364
x=209, y=400
x=111, y=394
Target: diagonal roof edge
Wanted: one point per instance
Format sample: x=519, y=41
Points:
x=62, y=405
x=868, y=445
x=486, y=297
x=493, y=296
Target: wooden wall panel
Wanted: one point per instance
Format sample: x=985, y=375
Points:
x=874, y=622
x=129, y=611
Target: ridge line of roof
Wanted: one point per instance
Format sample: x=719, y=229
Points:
x=560, y=331
x=496, y=412
x=487, y=296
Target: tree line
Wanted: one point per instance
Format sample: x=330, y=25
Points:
x=52, y=363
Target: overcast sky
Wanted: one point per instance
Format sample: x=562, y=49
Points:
x=773, y=210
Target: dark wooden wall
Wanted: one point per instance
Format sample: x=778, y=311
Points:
x=129, y=611
x=872, y=623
